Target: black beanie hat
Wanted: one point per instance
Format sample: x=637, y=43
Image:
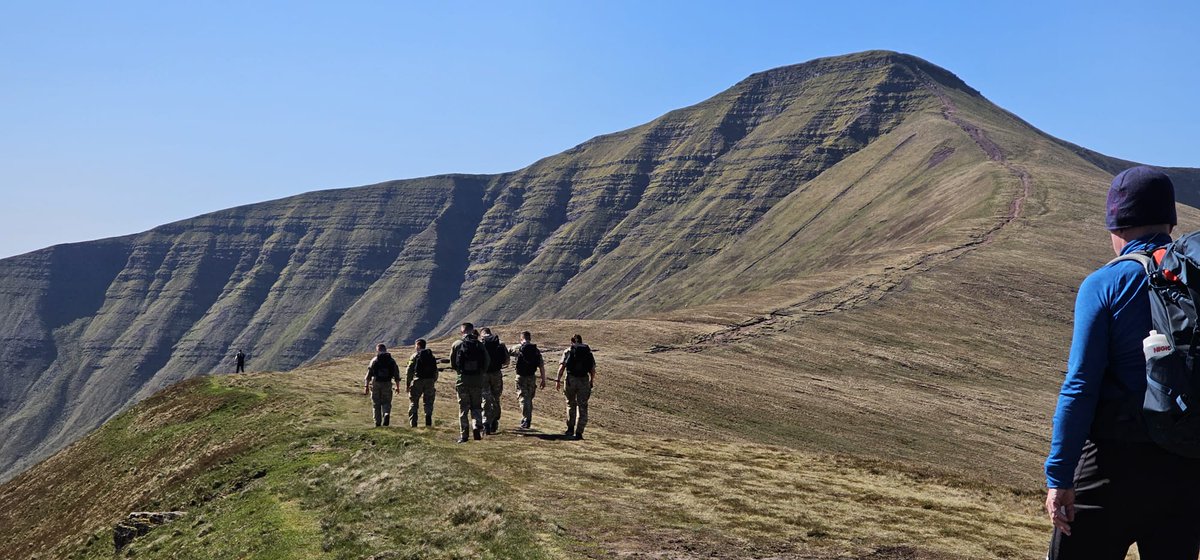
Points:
x=1140, y=196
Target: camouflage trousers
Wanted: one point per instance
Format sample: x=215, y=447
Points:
x=421, y=389
x=470, y=407
x=493, y=387
x=381, y=397
x=526, y=390
x=578, y=391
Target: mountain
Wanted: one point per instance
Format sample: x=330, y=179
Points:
x=799, y=206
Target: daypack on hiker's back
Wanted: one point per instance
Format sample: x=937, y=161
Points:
x=496, y=352
x=383, y=368
x=527, y=359
x=426, y=365
x=471, y=356
x=1171, y=406
x=580, y=360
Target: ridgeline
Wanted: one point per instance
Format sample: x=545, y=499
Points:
x=830, y=283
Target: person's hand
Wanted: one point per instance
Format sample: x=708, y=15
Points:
x=543, y=385
x=1060, y=506
x=397, y=389
x=366, y=390
x=557, y=385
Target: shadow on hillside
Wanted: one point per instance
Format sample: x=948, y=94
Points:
x=542, y=435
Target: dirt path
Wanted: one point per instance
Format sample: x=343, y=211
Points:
x=993, y=151
x=873, y=287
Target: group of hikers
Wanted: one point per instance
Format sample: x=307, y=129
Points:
x=1124, y=461
x=479, y=358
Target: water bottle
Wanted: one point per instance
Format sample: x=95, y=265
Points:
x=1156, y=345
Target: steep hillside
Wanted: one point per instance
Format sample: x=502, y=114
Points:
x=828, y=185
x=90, y=327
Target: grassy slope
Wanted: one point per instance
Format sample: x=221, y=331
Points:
x=906, y=403
x=286, y=466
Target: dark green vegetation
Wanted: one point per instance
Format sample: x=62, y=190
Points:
x=857, y=266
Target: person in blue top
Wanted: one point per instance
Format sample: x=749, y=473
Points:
x=1109, y=486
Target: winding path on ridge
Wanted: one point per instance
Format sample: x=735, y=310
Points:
x=873, y=287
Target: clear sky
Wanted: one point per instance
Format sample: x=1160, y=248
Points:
x=119, y=116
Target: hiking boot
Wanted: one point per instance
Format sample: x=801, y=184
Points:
x=570, y=432
x=478, y=435
x=462, y=439
x=387, y=419
x=412, y=421
x=524, y=425
x=578, y=435
x=428, y=420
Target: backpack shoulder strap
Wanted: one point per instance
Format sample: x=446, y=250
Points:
x=1143, y=259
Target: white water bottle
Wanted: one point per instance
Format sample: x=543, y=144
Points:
x=1156, y=345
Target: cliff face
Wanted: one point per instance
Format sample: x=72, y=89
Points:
x=835, y=167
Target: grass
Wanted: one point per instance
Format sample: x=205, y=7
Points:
x=733, y=500
x=264, y=470
x=288, y=466
x=880, y=385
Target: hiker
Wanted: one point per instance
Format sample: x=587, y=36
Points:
x=241, y=361
x=580, y=367
x=493, y=382
x=528, y=361
x=421, y=381
x=381, y=373
x=1109, y=485
x=469, y=359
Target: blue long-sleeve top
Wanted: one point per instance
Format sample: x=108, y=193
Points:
x=1106, y=371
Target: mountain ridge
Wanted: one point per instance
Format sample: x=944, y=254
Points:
x=653, y=219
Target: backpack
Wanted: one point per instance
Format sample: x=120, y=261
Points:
x=580, y=360
x=426, y=365
x=1172, y=397
x=527, y=359
x=471, y=356
x=384, y=368
x=496, y=352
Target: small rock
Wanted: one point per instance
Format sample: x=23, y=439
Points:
x=139, y=523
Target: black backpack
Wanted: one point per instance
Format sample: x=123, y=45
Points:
x=471, y=357
x=384, y=368
x=426, y=365
x=1172, y=396
x=496, y=352
x=580, y=360
x=527, y=359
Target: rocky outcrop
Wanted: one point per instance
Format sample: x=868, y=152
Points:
x=139, y=523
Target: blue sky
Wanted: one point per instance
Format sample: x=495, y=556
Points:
x=119, y=116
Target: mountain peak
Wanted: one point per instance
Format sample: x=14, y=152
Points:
x=862, y=61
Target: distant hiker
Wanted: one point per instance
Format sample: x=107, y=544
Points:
x=469, y=359
x=421, y=381
x=580, y=367
x=493, y=383
x=528, y=362
x=241, y=361
x=1109, y=485
x=382, y=372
